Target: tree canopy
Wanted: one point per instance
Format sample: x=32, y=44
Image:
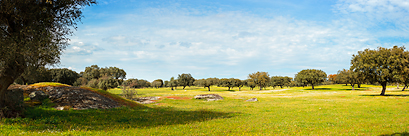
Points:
x=382, y=65
x=206, y=82
x=311, y=76
x=280, y=81
x=261, y=79
x=185, y=80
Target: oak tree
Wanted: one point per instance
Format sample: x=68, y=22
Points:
x=311, y=76
x=382, y=65
x=261, y=79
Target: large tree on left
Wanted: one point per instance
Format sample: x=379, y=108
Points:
x=34, y=33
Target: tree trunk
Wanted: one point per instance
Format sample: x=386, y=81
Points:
x=404, y=87
x=261, y=88
x=312, y=86
x=229, y=88
x=7, y=77
x=383, y=89
x=359, y=85
x=239, y=88
x=208, y=88
x=353, y=89
x=346, y=84
x=184, y=87
x=171, y=88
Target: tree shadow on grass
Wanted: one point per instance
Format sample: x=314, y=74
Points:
x=317, y=89
x=386, y=95
x=397, y=134
x=38, y=119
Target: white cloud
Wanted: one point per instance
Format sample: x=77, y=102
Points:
x=171, y=41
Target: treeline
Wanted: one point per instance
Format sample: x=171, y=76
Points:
x=111, y=77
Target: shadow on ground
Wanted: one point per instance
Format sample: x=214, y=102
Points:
x=397, y=134
x=38, y=119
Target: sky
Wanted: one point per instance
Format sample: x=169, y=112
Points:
x=159, y=39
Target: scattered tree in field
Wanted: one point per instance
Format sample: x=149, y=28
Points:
x=332, y=78
x=137, y=83
x=157, y=83
x=238, y=83
x=250, y=83
x=261, y=79
x=382, y=65
x=349, y=77
x=224, y=82
x=280, y=81
x=185, y=80
x=92, y=72
x=311, y=76
x=206, y=82
x=173, y=83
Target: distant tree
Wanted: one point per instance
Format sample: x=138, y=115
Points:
x=382, y=65
x=349, y=77
x=137, y=83
x=224, y=82
x=250, y=83
x=185, y=80
x=64, y=75
x=311, y=76
x=173, y=83
x=261, y=79
x=280, y=81
x=238, y=83
x=342, y=77
x=157, y=83
x=166, y=84
x=332, y=78
x=206, y=82
x=113, y=72
x=92, y=72
x=106, y=83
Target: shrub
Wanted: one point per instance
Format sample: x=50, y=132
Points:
x=128, y=92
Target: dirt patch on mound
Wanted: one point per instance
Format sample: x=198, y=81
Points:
x=178, y=98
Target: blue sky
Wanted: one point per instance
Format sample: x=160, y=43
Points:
x=232, y=38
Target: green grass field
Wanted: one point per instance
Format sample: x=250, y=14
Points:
x=327, y=110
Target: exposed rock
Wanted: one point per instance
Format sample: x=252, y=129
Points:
x=209, y=97
x=146, y=100
x=252, y=100
x=78, y=98
x=38, y=95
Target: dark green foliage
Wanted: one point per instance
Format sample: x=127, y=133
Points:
x=310, y=76
x=137, y=83
x=185, y=80
x=157, y=83
x=34, y=75
x=261, y=79
x=64, y=76
x=280, y=81
x=206, y=82
x=106, y=83
x=230, y=83
x=382, y=65
x=33, y=33
x=173, y=83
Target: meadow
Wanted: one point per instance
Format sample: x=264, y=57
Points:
x=327, y=110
